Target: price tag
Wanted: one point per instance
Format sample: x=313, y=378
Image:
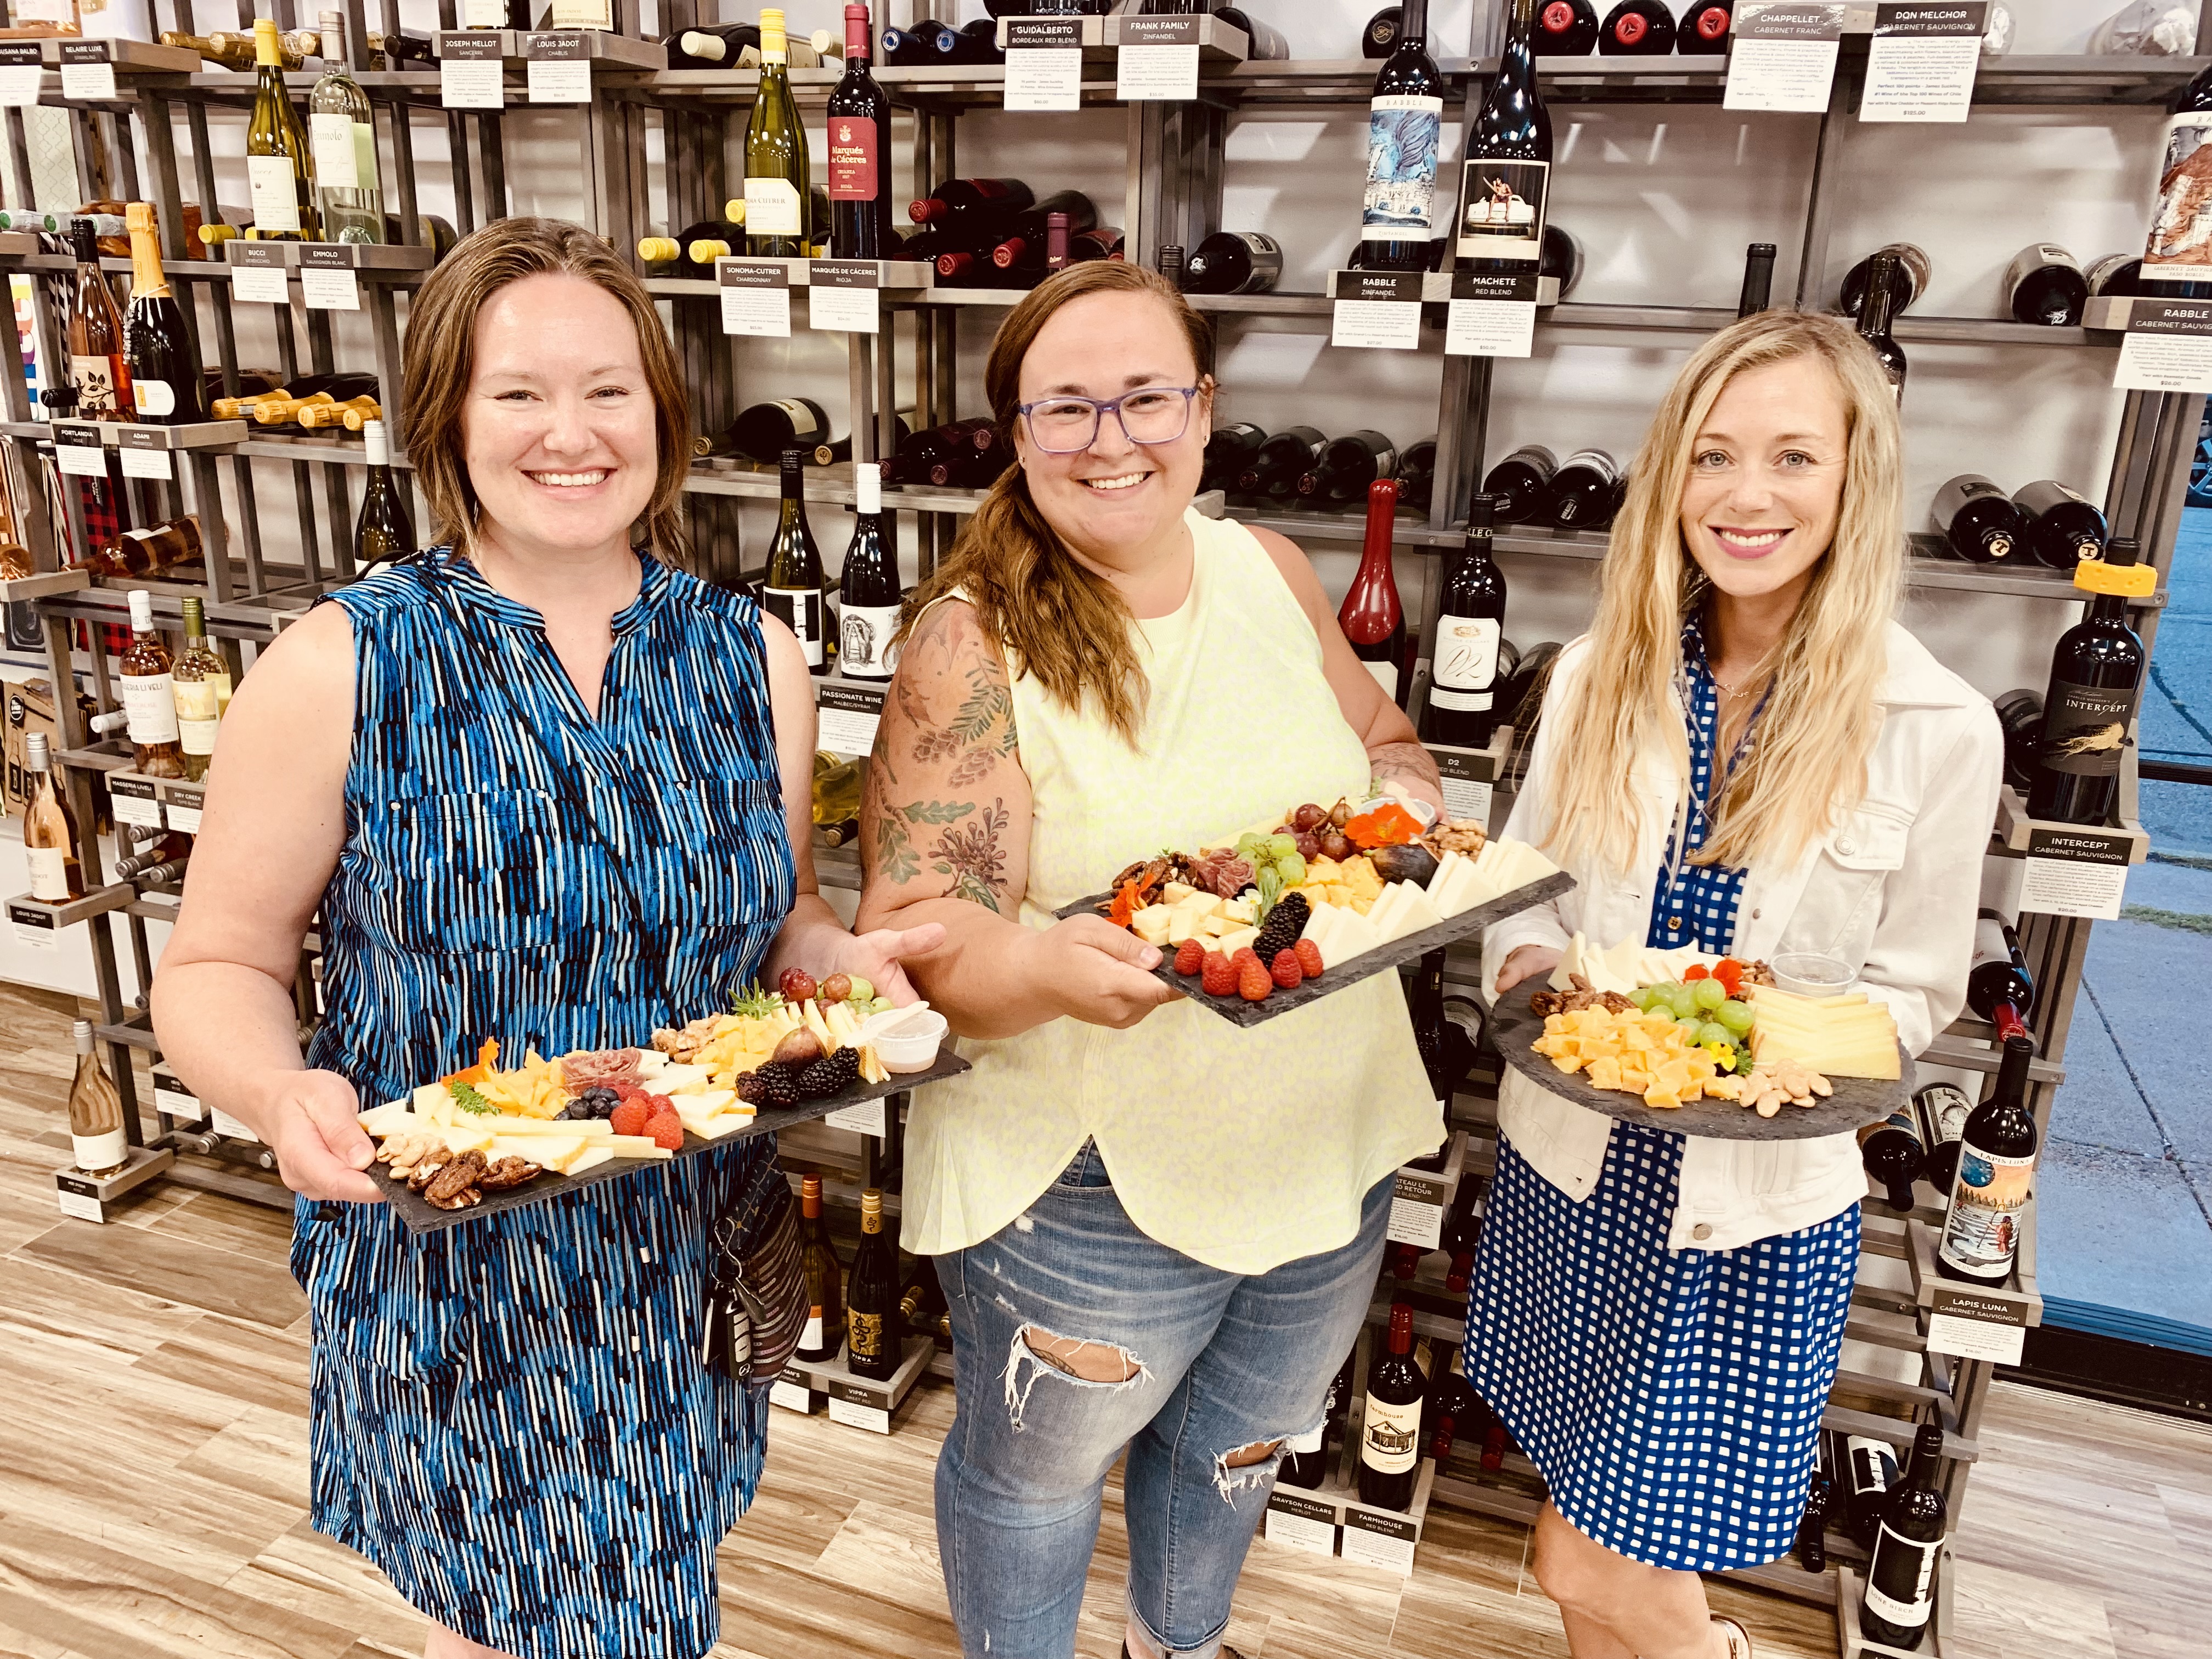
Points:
x=792, y=1396
x=1302, y=1524
x=1380, y=310
x=173, y=1098
x=86, y=75
x=1380, y=1541
x=756, y=297
x=258, y=271
x=1977, y=1325
x=841, y=294
x=2074, y=873
x=1782, y=56
x=1158, y=60
x=1921, y=62
x=183, y=809
x=1490, y=316
x=1044, y=63
x=469, y=71
x=133, y=800
x=559, y=67
x=2168, y=347
x=859, y=1409
x=35, y=928
x=1468, y=784
x=77, y=451
x=145, y=456
x=848, y=715
x=22, y=74
x=483, y=13
x=79, y=1207
x=327, y=279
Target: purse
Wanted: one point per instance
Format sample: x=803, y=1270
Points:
x=756, y=1302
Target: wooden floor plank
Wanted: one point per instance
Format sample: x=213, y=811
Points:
x=153, y=1263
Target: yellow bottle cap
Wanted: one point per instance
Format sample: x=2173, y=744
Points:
x=772, y=46
x=658, y=250
x=706, y=251
x=2126, y=581
x=268, y=50
x=734, y=210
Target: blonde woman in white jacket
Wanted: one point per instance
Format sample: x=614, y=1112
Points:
x=1747, y=754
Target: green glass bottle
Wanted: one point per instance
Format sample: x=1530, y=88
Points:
x=776, y=156
x=278, y=169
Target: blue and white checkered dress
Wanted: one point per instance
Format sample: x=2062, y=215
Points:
x=1671, y=1398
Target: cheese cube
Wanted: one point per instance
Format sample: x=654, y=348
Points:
x=1182, y=924
x=1235, y=939
x=1151, y=924
x=1175, y=892
x=1240, y=911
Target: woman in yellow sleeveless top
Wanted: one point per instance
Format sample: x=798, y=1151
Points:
x=1156, y=1230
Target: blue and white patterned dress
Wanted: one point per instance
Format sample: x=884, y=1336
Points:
x=1671, y=1398
x=510, y=1418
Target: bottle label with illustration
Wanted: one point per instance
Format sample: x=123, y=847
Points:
x=1385, y=675
x=155, y=397
x=799, y=609
x=2180, y=245
x=101, y=384
x=99, y=1151
x=49, y=873
x=774, y=207
x=1501, y=210
x=854, y=166
x=150, y=702
x=1981, y=1233
x=330, y=138
x=1466, y=663
x=1947, y=1110
x=1899, y=1580
x=1403, y=134
x=2084, y=728
x=275, y=191
x=863, y=1334
x=199, y=713
x=864, y=640
x=1897, y=1119
x=1390, y=1439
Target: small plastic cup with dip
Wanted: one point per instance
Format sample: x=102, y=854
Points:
x=1805, y=974
x=905, y=1039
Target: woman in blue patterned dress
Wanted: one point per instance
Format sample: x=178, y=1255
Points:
x=546, y=789
x=1746, y=754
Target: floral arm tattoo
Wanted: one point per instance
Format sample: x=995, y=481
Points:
x=1406, y=763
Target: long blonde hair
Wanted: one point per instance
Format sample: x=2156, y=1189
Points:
x=1808, y=756
x=1058, y=621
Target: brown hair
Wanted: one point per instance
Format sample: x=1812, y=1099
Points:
x=440, y=364
x=1058, y=621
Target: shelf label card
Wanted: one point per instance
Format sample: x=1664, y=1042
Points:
x=145, y=455
x=792, y=1396
x=854, y=1415
x=225, y=1124
x=1468, y=777
x=756, y=297
x=172, y=1098
x=2168, y=347
x=21, y=73
x=1975, y=1325
x=1301, y=1524
x=483, y=13
x=867, y=1118
x=1378, y=310
x=1044, y=63
x=79, y=1208
x=1158, y=60
x=841, y=295
x=1380, y=1541
x=1782, y=56
x=558, y=66
x=77, y=451
x=471, y=69
x=35, y=929
x=848, y=715
x=2074, y=873
x=134, y=800
x=183, y=807
x=1490, y=316
x=1921, y=62
x=86, y=75
x=327, y=279
x=258, y=272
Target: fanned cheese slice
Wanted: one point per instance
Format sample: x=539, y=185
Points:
x=465, y=1138
x=1234, y=940
x=1321, y=929
x=1449, y=862
x=650, y=1060
x=673, y=1080
x=590, y=1158
x=551, y=1151
x=1384, y=911
x=720, y=1124
x=393, y=1117
x=1354, y=935
x=1571, y=961
x=1414, y=913
x=1462, y=892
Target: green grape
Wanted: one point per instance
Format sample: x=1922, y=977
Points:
x=1280, y=846
x=1736, y=1016
x=1679, y=1000
x=1714, y=1032
x=1708, y=993
x=1690, y=1023
x=1291, y=866
x=1641, y=996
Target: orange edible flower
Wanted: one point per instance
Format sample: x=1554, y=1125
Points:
x=1696, y=971
x=1387, y=825
x=482, y=1069
x=1127, y=899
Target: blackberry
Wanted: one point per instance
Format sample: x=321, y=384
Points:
x=831, y=1074
x=593, y=1102
x=1284, y=923
x=771, y=1083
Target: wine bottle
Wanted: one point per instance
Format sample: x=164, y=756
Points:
x=1462, y=1231
x=1234, y=262
x=1417, y=474
x=167, y=386
x=342, y=128
x=1901, y=1583
x=714, y=46
x=2062, y=528
x=384, y=534
x=1391, y=1435
x=824, y=1332
x=1405, y=126
x=841, y=450
x=775, y=156
x=2117, y=276
x=1022, y=240
x=924, y=451
x=1908, y=279
x=1229, y=451
x=913, y=47
x=793, y=591
x=1266, y=44
x=1520, y=486
x=329, y=388
x=1975, y=517
x=321, y=410
x=1566, y=28
x=1941, y=1111
x=49, y=828
x=1999, y=988
x=974, y=42
x=1873, y=316
x=1372, y=616
x=1463, y=660
x=2043, y=284
x=1704, y=26
x=1585, y=492
x=95, y=1112
x=233, y=52
x=868, y=586
x=1507, y=192
x=1636, y=28
x=397, y=48
x=1455, y=1411
x=1758, y=280
x=922, y=1305
x=353, y=415
x=971, y=208
x=1425, y=1002
x=1168, y=263
x=138, y=553
x=279, y=170
x=1812, y=1542
x=872, y=1345
x=1891, y=1152
x=2020, y=716
x=1280, y=462
x=1379, y=37
x=1867, y=1470
x=2178, y=254
x=762, y=432
x=99, y=365
x=692, y=251
x=859, y=140
x=2096, y=676
x=148, y=688
x=1997, y=1165
x=1305, y=1458
x=1347, y=466
x=202, y=685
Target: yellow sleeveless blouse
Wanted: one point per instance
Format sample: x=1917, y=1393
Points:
x=1241, y=1148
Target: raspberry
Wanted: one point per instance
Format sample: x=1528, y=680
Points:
x=666, y=1130
x=1246, y=954
x=628, y=1118
x=1309, y=954
x=1286, y=971
x=1253, y=983
x=1189, y=959
x=1220, y=978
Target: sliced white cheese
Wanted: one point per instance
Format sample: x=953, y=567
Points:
x=590, y=1159
x=650, y=1060
x=1449, y=862
x=1384, y=912
x=1175, y=892
x=1570, y=959
x=684, y=1079
x=393, y=1117
x=1462, y=892
x=722, y=1123
x=1354, y=936
x=1414, y=913
x=464, y=1137
x=1321, y=927
x=637, y=1147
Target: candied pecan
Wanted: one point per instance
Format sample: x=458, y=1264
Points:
x=426, y=1171
x=1547, y=1003
x=509, y=1172
x=456, y=1178
x=1614, y=1002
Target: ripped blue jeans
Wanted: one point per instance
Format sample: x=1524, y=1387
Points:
x=1215, y=1371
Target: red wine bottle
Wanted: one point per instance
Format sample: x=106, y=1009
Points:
x=1812, y=1545
x=859, y=122
x=2096, y=677
x=2020, y=716
x=1372, y=616
x=1507, y=195
x=1463, y=658
x=1566, y=28
x=1999, y=988
x=872, y=1343
x=1347, y=467
x=1520, y=486
x=1940, y=1109
x=1398, y=219
x=1875, y=312
x=1997, y=1165
x=1229, y=452
x=1379, y=37
x=1462, y=1231
x=2062, y=529
x=1636, y=28
x=1234, y=262
x=1703, y=27
x=1908, y=279
x=1976, y=518
x=1391, y=1435
x=1585, y=491
x=2045, y=285
x=1417, y=474
x=1023, y=234
x=958, y=201
x=868, y=596
x=1900, y=1585
x=1891, y=1152
x=1280, y=462
x=1758, y=280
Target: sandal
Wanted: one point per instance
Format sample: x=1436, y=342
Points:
x=1739, y=1638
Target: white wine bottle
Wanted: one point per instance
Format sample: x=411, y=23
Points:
x=344, y=130
x=277, y=167
x=775, y=156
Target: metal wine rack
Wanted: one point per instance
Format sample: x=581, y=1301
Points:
x=254, y=582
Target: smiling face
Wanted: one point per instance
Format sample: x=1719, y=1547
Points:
x=1117, y=503
x=1765, y=484
x=559, y=427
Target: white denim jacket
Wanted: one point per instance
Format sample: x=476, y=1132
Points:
x=1891, y=889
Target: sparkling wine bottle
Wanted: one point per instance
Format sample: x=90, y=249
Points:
x=1372, y=616
x=167, y=386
